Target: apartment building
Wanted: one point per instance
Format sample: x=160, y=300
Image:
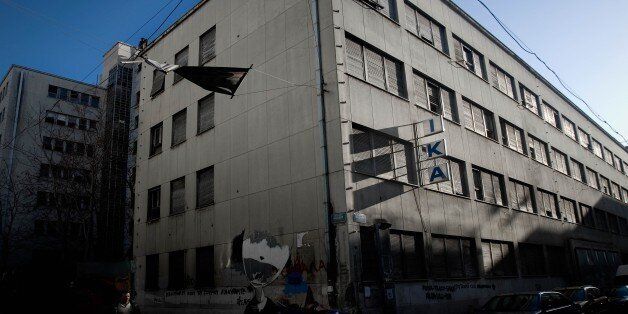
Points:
x=538, y=190
x=49, y=161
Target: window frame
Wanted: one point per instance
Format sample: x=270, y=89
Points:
x=156, y=147
x=182, y=114
x=202, y=60
x=495, y=72
x=185, y=51
x=488, y=119
x=478, y=178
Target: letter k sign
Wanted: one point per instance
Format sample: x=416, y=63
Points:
x=433, y=150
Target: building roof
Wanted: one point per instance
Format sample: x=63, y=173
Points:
x=44, y=73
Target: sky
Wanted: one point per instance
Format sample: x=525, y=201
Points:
x=585, y=41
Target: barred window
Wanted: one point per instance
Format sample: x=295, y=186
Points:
x=181, y=58
x=376, y=68
x=468, y=57
x=425, y=27
x=521, y=196
x=583, y=139
x=569, y=128
x=205, y=120
x=592, y=179
x=176, y=270
x=207, y=46
x=548, y=204
x=559, y=161
x=478, y=119
x=435, y=97
x=205, y=267
x=159, y=78
x=151, y=281
x=154, y=203
x=498, y=258
x=577, y=170
x=205, y=187
x=408, y=259
x=156, y=139
x=453, y=257
x=503, y=81
x=551, y=115
x=538, y=150
x=586, y=216
x=568, y=210
x=457, y=183
x=532, y=259
x=489, y=186
x=178, y=127
x=512, y=136
x=177, y=196
x=381, y=155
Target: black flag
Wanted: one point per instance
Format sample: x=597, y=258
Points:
x=224, y=80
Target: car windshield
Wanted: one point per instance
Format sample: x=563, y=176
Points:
x=573, y=294
x=621, y=292
x=519, y=302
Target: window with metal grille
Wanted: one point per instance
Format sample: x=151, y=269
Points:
x=559, y=161
x=592, y=179
x=505, y=83
x=156, y=139
x=205, y=267
x=568, y=210
x=498, y=258
x=408, y=259
x=532, y=259
x=453, y=257
x=468, y=57
x=521, y=196
x=381, y=155
x=615, y=191
x=586, y=215
x=374, y=67
x=551, y=115
x=205, y=120
x=512, y=136
x=538, y=150
x=547, y=204
x=488, y=185
x=596, y=148
x=435, y=97
x=180, y=58
x=424, y=26
x=458, y=182
x=569, y=128
x=478, y=119
x=177, y=196
x=577, y=170
x=154, y=203
x=605, y=185
x=176, y=270
x=207, y=46
x=178, y=127
x=205, y=187
x=600, y=220
x=151, y=281
x=159, y=79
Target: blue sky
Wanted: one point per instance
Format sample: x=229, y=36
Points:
x=585, y=41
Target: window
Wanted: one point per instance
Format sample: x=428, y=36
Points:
x=155, y=139
x=596, y=148
x=577, y=170
x=205, y=187
x=488, y=186
x=95, y=101
x=623, y=225
x=176, y=270
x=377, y=154
x=388, y=8
x=434, y=97
x=557, y=261
x=379, y=70
x=521, y=196
x=583, y=139
x=608, y=156
x=503, y=81
x=600, y=220
x=613, y=224
x=368, y=250
x=538, y=150
x=154, y=202
x=177, y=196
x=468, y=57
x=137, y=99
x=205, y=119
x=207, y=46
x=406, y=249
x=618, y=164
x=52, y=91
x=531, y=101
x=478, y=119
x=605, y=185
x=512, y=136
x=586, y=216
x=624, y=195
x=205, y=267
x=615, y=191
x=425, y=27
x=569, y=128
x=152, y=272
x=159, y=78
x=568, y=210
x=559, y=161
x=532, y=259
x=453, y=257
x=498, y=258
x=178, y=127
x=548, y=204
x=551, y=115
x=181, y=58
x=592, y=179
x=458, y=183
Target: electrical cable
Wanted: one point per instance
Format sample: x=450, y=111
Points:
x=164, y=21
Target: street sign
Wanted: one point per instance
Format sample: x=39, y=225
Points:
x=359, y=218
x=435, y=174
x=433, y=150
x=430, y=126
x=339, y=218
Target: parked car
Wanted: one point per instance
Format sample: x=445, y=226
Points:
x=589, y=298
x=621, y=276
x=534, y=302
x=618, y=297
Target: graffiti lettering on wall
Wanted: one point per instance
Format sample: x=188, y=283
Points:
x=448, y=291
x=216, y=296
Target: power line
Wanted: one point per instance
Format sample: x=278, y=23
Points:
x=525, y=48
x=164, y=21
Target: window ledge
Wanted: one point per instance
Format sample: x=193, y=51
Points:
x=511, y=98
x=152, y=220
x=176, y=214
x=501, y=277
x=204, y=131
x=447, y=193
x=177, y=144
x=384, y=179
x=485, y=202
x=205, y=207
x=428, y=43
x=382, y=89
x=483, y=136
x=456, y=278
x=475, y=74
x=438, y=114
x=153, y=155
x=157, y=94
x=525, y=212
x=512, y=149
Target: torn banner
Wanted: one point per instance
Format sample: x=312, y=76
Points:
x=224, y=80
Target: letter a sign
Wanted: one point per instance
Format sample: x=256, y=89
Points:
x=432, y=150
x=435, y=174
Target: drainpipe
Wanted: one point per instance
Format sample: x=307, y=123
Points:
x=332, y=265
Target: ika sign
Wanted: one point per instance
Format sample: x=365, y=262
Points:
x=435, y=174
x=433, y=150
x=430, y=126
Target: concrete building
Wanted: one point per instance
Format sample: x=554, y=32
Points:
x=538, y=190
x=48, y=147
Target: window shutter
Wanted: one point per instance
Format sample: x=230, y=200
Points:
x=181, y=58
x=177, y=196
x=494, y=79
x=393, y=76
x=206, y=113
x=178, y=127
x=433, y=95
x=355, y=61
x=420, y=91
x=412, y=260
x=469, y=258
x=437, y=32
x=468, y=116
x=411, y=20
x=362, y=152
x=477, y=64
x=207, y=46
x=439, y=260
x=456, y=177
x=487, y=186
x=454, y=257
x=425, y=29
x=478, y=120
x=448, y=111
x=374, y=68
x=487, y=258
x=458, y=51
x=158, y=82
x=205, y=187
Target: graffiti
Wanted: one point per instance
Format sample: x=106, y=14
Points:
x=446, y=292
x=234, y=296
